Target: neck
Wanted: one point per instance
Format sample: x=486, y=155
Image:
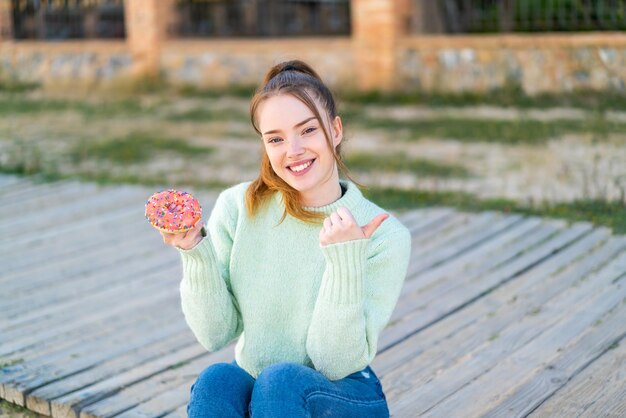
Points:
x=325, y=199
x=329, y=193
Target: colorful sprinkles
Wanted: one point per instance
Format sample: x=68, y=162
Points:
x=173, y=211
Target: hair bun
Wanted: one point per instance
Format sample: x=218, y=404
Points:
x=289, y=67
x=295, y=66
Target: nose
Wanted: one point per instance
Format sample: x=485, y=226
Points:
x=295, y=147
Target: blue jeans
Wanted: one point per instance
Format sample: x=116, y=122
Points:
x=285, y=390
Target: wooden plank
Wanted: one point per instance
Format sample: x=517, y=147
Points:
x=101, y=258
x=70, y=213
x=89, y=241
x=478, y=322
x=166, y=391
x=462, y=253
x=34, y=236
x=9, y=180
x=16, y=385
x=473, y=383
x=98, y=301
x=39, y=399
x=47, y=298
x=105, y=234
x=104, y=323
x=460, y=284
x=48, y=196
x=179, y=413
x=16, y=189
x=72, y=404
x=461, y=244
x=483, y=393
x=65, y=239
x=433, y=217
x=438, y=348
x=41, y=357
x=441, y=229
x=585, y=374
x=426, y=314
x=611, y=404
x=8, y=347
x=33, y=239
x=458, y=225
x=115, y=221
x=481, y=259
x=409, y=217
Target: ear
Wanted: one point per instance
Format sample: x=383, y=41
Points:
x=337, y=131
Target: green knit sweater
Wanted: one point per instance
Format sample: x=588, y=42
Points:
x=285, y=296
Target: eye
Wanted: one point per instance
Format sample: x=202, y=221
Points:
x=310, y=129
x=273, y=140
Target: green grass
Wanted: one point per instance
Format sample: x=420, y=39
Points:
x=400, y=162
x=17, y=104
x=135, y=147
x=610, y=214
x=525, y=131
x=508, y=96
x=205, y=115
x=11, y=409
x=241, y=91
x=10, y=85
x=109, y=178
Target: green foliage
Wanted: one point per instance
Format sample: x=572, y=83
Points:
x=12, y=410
x=511, y=95
x=518, y=131
x=401, y=162
x=189, y=90
x=11, y=85
x=17, y=104
x=127, y=108
x=135, y=147
x=205, y=115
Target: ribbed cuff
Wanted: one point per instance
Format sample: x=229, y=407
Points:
x=345, y=269
x=200, y=268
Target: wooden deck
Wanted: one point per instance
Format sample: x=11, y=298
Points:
x=500, y=316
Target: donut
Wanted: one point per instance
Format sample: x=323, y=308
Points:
x=173, y=211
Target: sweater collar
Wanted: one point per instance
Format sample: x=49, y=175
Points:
x=350, y=199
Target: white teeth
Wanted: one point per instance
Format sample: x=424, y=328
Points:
x=301, y=167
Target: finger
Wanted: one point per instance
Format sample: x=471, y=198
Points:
x=198, y=224
x=327, y=224
x=346, y=215
x=368, y=230
x=335, y=219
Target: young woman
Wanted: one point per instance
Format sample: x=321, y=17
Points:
x=297, y=265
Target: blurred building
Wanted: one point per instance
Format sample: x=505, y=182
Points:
x=445, y=45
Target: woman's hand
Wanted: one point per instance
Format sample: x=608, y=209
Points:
x=341, y=226
x=184, y=240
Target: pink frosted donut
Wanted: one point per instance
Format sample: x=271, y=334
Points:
x=173, y=211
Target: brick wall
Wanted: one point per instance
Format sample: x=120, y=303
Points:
x=536, y=63
x=380, y=55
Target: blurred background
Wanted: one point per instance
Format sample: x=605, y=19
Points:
x=514, y=105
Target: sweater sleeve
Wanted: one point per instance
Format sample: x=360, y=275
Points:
x=207, y=302
x=359, y=290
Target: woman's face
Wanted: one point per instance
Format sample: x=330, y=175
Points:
x=296, y=146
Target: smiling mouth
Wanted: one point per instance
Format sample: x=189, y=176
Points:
x=301, y=167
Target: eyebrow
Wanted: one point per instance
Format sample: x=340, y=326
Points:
x=295, y=126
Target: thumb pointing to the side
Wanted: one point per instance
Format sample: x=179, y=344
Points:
x=369, y=229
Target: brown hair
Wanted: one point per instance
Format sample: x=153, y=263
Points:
x=302, y=82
